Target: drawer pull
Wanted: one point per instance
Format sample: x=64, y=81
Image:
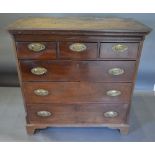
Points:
x=116, y=71
x=38, y=70
x=78, y=47
x=111, y=114
x=41, y=92
x=113, y=93
x=119, y=48
x=36, y=47
x=44, y=113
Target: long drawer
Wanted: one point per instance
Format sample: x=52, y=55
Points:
x=76, y=92
x=98, y=71
x=77, y=114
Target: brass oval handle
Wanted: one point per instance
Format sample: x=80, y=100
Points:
x=120, y=48
x=44, y=113
x=78, y=47
x=41, y=92
x=116, y=71
x=38, y=70
x=36, y=47
x=111, y=114
x=113, y=93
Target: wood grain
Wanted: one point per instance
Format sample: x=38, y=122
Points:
x=24, y=53
x=87, y=23
x=107, y=52
x=94, y=71
x=77, y=82
x=78, y=36
x=66, y=53
x=77, y=114
x=76, y=92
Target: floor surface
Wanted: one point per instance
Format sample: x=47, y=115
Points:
x=12, y=122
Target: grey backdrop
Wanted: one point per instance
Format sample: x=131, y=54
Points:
x=146, y=72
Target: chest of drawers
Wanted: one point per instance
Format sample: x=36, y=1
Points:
x=77, y=72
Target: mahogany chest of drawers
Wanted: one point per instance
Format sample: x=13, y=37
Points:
x=77, y=72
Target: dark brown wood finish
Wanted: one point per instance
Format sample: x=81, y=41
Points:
x=77, y=92
x=77, y=114
x=107, y=51
x=95, y=71
x=114, y=37
x=89, y=53
x=23, y=52
x=77, y=82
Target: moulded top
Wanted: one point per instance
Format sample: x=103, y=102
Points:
x=82, y=24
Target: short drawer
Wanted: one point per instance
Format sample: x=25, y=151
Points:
x=119, y=50
x=76, y=92
x=36, y=50
x=98, y=71
x=74, y=50
x=77, y=114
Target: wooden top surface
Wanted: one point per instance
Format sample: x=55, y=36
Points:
x=74, y=23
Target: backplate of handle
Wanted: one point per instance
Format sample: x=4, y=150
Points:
x=44, y=113
x=78, y=47
x=38, y=70
x=113, y=93
x=119, y=48
x=36, y=47
x=116, y=71
x=111, y=114
x=41, y=92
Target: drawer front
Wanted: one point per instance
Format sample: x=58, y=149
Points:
x=36, y=50
x=73, y=50
x=77, y=114
x=119, y=50
x=98, y=71
x=76, y=92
